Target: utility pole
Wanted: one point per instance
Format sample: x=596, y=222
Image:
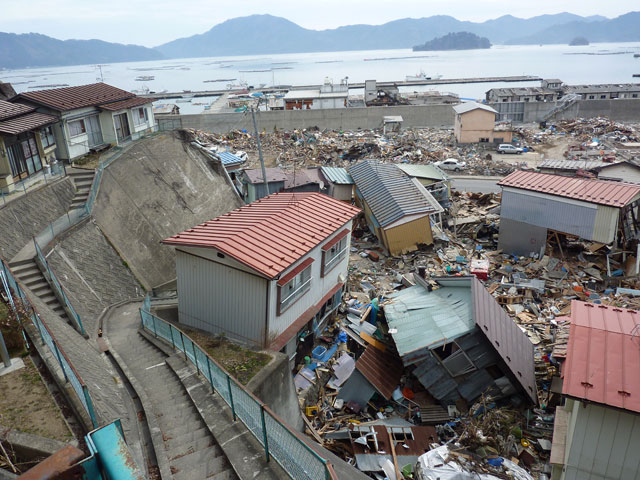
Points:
x=255, y=127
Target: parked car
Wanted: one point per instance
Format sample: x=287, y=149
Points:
x=508, y=148
x=451, y=164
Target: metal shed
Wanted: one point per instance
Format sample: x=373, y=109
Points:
x=533, y=203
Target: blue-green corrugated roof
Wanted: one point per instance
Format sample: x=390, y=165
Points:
x=337, y=175
x=426, y=319
x=423, y=171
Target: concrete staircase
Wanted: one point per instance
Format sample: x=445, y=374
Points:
x=187, y=444
x=82, y=179
x=29, y=274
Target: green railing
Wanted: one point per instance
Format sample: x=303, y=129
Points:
x=280, y=441
x=55, y=284
x=68, y=371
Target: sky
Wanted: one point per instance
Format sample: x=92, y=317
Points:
x=153, y=22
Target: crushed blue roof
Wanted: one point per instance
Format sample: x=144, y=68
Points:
x=228, y=158
x=337, y=175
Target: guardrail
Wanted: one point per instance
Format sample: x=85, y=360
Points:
x=279, y=440
x=53, y=281
x=69, y=372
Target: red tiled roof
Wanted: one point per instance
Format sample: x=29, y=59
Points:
x=128, y=103
x=613, y=194
x=382, y=369
x=8, y=109
x=271, y=234
x=603, y=356
x=24, y=123
x=70, y=98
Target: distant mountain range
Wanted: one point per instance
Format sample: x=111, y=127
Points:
x=266, y=34
x=35, y=50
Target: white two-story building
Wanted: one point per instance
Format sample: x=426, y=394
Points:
x=91, y=117
x=266, y=271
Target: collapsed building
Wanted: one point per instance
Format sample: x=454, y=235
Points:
x=536, y=206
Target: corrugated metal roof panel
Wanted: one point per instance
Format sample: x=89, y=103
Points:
x=390, y=194
x=614, y=194
x=271, y=234
x=228, y=158
x=337, y=175
x=512, y=344
x=27, y=122
x=8, y=109
x=70, y=98
x=423, y=171
x=573, y=164
x=424, y=319
x=382, y=369
x=603, y=356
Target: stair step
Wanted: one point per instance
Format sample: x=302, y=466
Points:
x=24, y=269
x=227, y=474
x=41, y=288
x=175, y=442
x=197, y=445
x=34, y=280
x=20, y=263
x=204, y=462
x=183, y=427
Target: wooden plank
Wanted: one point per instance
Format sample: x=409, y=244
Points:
x=373, y=342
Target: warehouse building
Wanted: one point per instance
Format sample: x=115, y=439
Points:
x=537, y=204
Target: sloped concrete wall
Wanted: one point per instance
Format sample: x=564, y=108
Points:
x=91, y=272
x=157, y=188
x=26, y=216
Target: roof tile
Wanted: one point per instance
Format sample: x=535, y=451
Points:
x=70, y=98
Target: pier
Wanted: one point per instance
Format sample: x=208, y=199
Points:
x=400, y=83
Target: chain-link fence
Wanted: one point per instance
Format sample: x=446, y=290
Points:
x=68, y=371
x=279, y=440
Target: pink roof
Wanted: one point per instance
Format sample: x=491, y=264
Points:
x=603, y=356
x=271, y=234
x=613, y=194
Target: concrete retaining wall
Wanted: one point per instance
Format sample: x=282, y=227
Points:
x=439, y=115
x=274, y=386
x=159, y=187
x=91, y=272
x=337, y=118
x=26, y=216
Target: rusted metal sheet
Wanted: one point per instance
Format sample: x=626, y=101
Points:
x=57, y=466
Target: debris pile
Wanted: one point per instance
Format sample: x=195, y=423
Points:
x=313, y=147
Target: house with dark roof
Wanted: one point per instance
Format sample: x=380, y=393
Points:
x=266, y=272
x=27, y=144
x=252, y=186
x=397, y=208
x=91, y=117
x=537, y=205
x=597, y=430
x=458, y=342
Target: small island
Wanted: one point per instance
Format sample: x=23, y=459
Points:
x=578, y=41
x=455, y=41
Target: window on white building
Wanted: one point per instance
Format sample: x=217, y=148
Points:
x=332, y=256
x=76, y=128
x=140, y=116
x=293, y=289
x=46, y=135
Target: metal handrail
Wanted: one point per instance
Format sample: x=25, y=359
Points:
x=58, y=286
x=177, y=333
x=59, y=352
